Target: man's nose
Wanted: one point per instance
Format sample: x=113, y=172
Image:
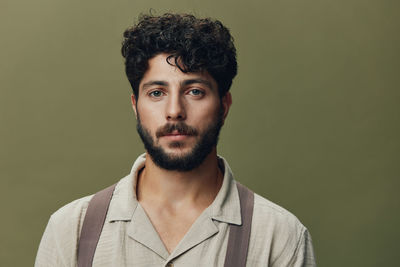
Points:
x=175, y=108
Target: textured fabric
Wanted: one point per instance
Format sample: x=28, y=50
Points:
x=129, y=239
x=238, y=241
x=92, y=225
x=239, y=235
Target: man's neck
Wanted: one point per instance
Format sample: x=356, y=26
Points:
x=176, y=190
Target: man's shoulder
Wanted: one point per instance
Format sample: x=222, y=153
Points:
x=74, y=208
x=74, y=212
x=268, y=213
x=71, y=215
x=280, y=233
x=269, y=216
x=60, y=238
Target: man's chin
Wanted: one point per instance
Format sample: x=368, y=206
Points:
x=178, y=153
x=175, y=161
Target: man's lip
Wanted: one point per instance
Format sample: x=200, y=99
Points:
x=176, y=136
x=176, y=133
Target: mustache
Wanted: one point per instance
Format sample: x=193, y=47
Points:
x=181, y=127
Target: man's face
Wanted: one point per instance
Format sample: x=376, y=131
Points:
x=179, y=115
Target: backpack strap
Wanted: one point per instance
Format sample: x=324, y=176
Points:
x=93, y=225
x=239, y=235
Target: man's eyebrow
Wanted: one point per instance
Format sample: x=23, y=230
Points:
x=184, y=83
x=198, y=80
x=151, y=83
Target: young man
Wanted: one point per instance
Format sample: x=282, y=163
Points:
x=179, y=203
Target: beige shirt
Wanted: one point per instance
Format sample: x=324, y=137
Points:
x=129, y=239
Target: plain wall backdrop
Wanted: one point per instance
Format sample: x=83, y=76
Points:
x=314, y=124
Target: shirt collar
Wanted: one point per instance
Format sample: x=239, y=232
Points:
x=224, y=208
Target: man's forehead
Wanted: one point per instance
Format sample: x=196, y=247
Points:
x=168, y=62
x=163, y=72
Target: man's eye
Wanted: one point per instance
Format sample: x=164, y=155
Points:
x=196, y=92
x=156, y=93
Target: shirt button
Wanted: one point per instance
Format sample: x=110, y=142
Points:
x=169, y=264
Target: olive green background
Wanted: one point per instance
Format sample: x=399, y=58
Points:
x=314, y=124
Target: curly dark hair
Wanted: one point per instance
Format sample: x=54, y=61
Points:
x=193, y=44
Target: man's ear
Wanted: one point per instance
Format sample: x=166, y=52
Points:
x=226, y=103
x=133, y=100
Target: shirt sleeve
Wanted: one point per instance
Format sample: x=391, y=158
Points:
x=300, y=255
x=304, y=254
x=49, y=252
x=58, y=246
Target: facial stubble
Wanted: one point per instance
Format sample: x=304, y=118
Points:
x=207, y=140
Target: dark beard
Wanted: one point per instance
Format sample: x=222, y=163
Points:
x=190, y=160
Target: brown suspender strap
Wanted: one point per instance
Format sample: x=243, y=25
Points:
x=92, y=226
x=239, y=235
x=238, y=242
